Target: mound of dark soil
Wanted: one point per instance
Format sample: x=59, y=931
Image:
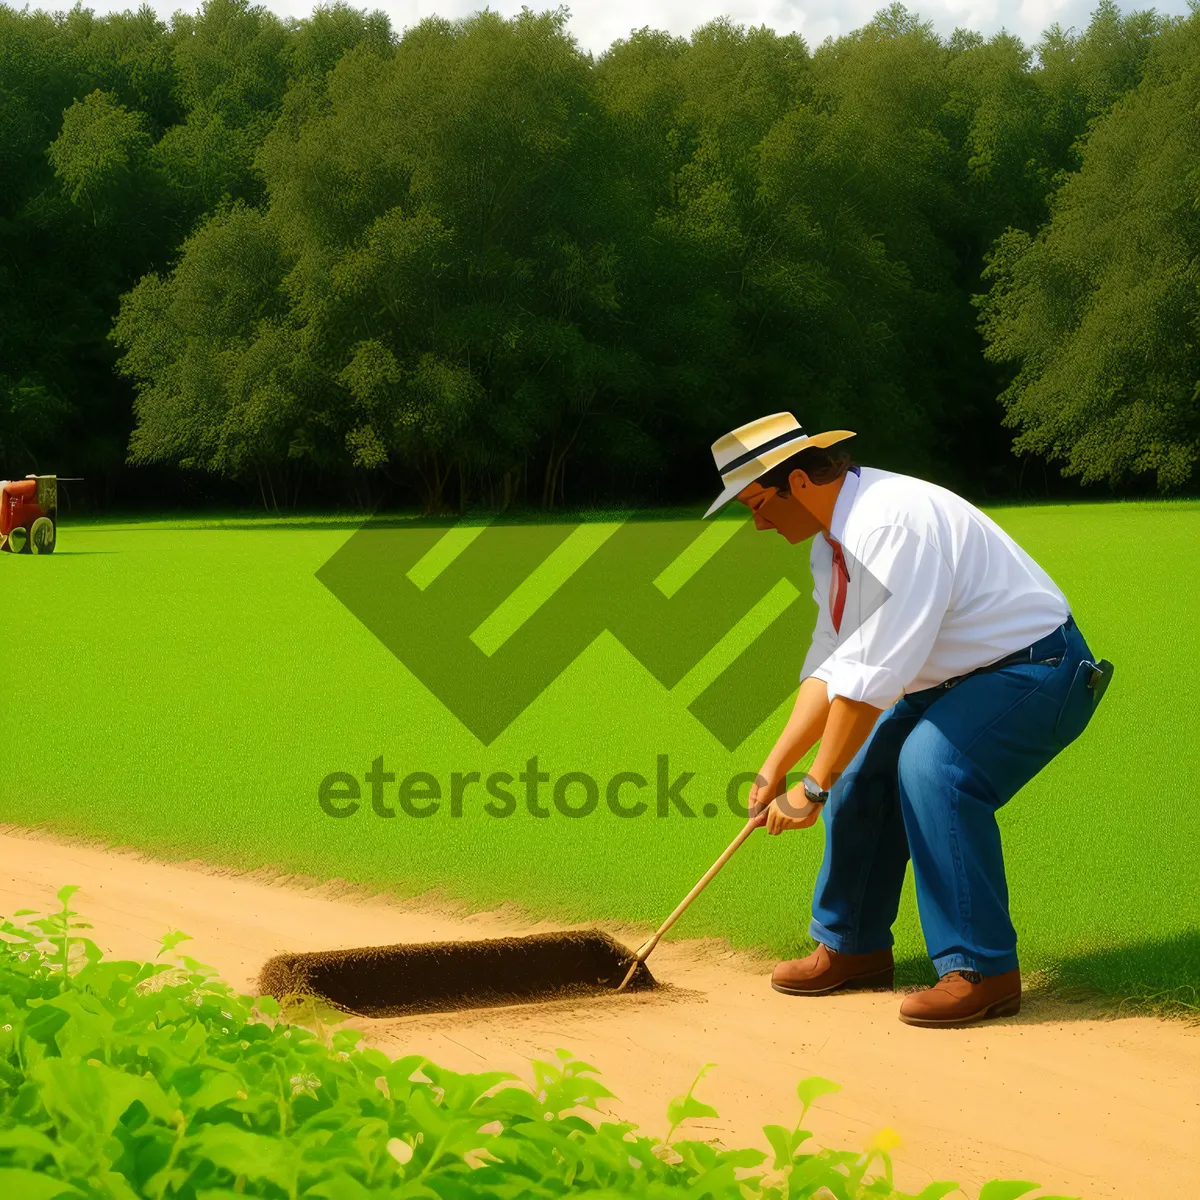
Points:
x=391, y=981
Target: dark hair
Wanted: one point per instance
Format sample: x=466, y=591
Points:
x=820, y=465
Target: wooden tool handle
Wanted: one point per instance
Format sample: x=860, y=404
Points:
x=705, y=880
x=644, y=950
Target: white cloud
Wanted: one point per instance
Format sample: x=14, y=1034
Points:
x=596, y=24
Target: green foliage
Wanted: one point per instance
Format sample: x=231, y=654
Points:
x=217, y=350
x=1099, y=311
x=28, y=407
x=117, y=134
x=126, y=1079
x=97, y=155
x=687, y=1107
x=556, y=276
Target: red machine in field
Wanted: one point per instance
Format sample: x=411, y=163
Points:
x=29, y=514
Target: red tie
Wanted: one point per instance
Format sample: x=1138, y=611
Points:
x=839, y=581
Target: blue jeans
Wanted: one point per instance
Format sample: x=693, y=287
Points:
x=927, y=784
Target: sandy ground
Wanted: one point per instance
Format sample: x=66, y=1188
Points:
x=1062, y=1094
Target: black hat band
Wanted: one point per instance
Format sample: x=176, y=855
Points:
x=782, y=439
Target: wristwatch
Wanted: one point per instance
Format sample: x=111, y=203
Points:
x=813, y=792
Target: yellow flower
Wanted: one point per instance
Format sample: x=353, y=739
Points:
x=883, y=1142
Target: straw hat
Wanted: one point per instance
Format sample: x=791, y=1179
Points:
x=752, y=450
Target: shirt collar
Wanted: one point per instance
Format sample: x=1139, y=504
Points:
x=845, y=501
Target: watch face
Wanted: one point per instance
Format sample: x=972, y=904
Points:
x=813, y=792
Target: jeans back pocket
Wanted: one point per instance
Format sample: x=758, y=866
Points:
x=1078, y=706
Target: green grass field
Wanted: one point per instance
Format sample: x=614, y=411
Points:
x=184, y=686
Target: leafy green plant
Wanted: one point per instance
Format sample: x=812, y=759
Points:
x=157, y=1080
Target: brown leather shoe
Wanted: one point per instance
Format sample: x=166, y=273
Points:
x=826, y=970
x=956, y=1000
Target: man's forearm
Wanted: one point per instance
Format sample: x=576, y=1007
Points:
x=846, y=728
x=808, y=719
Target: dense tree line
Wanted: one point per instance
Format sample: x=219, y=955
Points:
x=474, y=264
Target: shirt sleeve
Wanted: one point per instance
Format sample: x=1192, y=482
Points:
x=898, y=595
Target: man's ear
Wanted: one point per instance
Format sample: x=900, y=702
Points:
x=797, y=480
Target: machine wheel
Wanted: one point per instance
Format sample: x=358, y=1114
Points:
x=42, y=536
x=18, y=540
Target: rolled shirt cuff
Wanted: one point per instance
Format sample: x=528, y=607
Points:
x=879, y=687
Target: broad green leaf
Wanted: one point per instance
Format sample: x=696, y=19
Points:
x=89, y=1029
x=1006, y=1189
x=32, y=1141
x=93, y=1097
x=821, y=1169
x=19, y=1184
x=935, y=1191
x=346, y=1039
x=44, y=1022
x=809, y=1089
x=686, y=1108
x=219, y=1088
x=700, y=1156
x=172, y=939
x=91, y=952
x=28, y=937
x=781, y=1142
x=742, y=1158
x=113, y=1186
x=339, y=1187
x=242, y=1152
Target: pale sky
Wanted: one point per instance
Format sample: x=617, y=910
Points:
x=598, y=23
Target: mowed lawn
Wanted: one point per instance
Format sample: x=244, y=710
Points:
x=185, y=686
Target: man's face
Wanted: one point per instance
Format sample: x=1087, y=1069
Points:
x=787, y=515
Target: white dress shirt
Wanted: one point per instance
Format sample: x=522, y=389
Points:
x=936, y=589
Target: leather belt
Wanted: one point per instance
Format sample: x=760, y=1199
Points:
x=1018, y=656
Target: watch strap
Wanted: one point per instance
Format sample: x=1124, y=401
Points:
x=813, y=792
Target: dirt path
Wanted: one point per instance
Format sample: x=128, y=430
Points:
x=1086, y=1105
